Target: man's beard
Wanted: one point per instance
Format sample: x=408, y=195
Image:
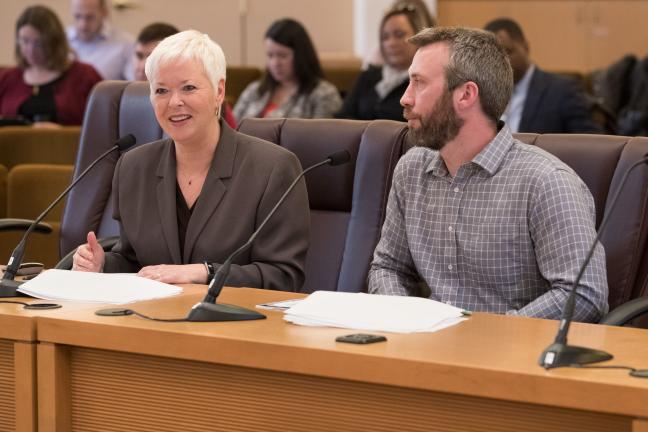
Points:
x=437, y=128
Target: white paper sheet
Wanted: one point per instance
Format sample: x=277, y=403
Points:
x=281, y=305
x=371, y=312
x=116, y=288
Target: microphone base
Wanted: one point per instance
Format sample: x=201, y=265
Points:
x=8, y=288
x=217, y=312
x=561, y=355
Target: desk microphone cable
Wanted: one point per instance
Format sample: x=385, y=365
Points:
x=33, y=305
x=124, y=312
x=636, y=373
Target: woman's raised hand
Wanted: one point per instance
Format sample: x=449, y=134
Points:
x=89, y=257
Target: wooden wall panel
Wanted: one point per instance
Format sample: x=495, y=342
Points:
x=564, y=35
x=7, y=387
x=617, y=28
x=25, y=386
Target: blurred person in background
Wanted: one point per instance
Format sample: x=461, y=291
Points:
x=293, y=83
x=423, y=16
x=46, y=87
x=542, y=102
x=148, y=38
x=377, y=91
x=95, y=41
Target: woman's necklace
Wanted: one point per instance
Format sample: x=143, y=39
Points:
x=190, y=179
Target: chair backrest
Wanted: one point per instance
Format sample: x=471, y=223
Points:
x=30, y=189
x=342, y=77
x=3, y=191
x=348, y=201
x=601, y=161
x=114, y=109
x=28, y=145
x=238, y=78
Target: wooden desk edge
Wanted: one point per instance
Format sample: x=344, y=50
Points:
x=548, y=389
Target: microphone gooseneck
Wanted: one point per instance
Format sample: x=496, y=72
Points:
x=207, y=310
x=559, y=353
x=7, y=284
x=216, y=285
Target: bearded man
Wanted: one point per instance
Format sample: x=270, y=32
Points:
x=486, y=222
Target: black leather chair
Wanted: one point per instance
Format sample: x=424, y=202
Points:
x=115, y=109
x=347, y=202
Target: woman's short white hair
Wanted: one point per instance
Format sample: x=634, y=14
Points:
x=188, y=45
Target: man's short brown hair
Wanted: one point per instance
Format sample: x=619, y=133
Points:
x=477, y=56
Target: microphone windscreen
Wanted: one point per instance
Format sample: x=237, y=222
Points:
x=125, y=142
x=339, y=158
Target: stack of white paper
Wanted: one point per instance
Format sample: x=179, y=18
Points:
x=115, y=288
x=371, y=312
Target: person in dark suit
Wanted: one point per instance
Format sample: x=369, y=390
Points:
x=542, y=102
x=185, y=203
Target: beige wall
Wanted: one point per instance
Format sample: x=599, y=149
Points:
x=238, y=25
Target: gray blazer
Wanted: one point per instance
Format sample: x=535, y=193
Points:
x=245, y=181
x=322, y=102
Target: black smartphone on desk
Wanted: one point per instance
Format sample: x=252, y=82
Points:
x=360, y=338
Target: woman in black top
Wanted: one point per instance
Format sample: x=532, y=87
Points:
x=377, y=92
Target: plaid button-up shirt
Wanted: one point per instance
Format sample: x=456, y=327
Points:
x=506, y=234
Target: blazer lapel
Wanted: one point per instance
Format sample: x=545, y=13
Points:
x=536, y=91
x=166, y=199
x=213, y=189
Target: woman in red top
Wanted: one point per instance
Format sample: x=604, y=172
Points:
x=46, y=86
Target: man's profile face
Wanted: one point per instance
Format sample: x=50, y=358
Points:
x=141, y=53
x=88, y=16
x=517, y=52
x=428, y=105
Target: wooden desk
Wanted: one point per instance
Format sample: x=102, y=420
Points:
x=125, y=373
x=18, y=338
x=17, y=369
x=18, y=342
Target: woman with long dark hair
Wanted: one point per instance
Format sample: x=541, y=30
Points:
x=293, y=83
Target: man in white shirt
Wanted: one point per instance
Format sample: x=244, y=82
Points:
x=95, y=41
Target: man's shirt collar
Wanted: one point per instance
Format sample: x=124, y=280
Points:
x=489, y=159
x=492, y=156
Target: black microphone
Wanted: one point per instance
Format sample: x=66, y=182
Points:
x=208, y=310
x=560, y=354
x=8, y=285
